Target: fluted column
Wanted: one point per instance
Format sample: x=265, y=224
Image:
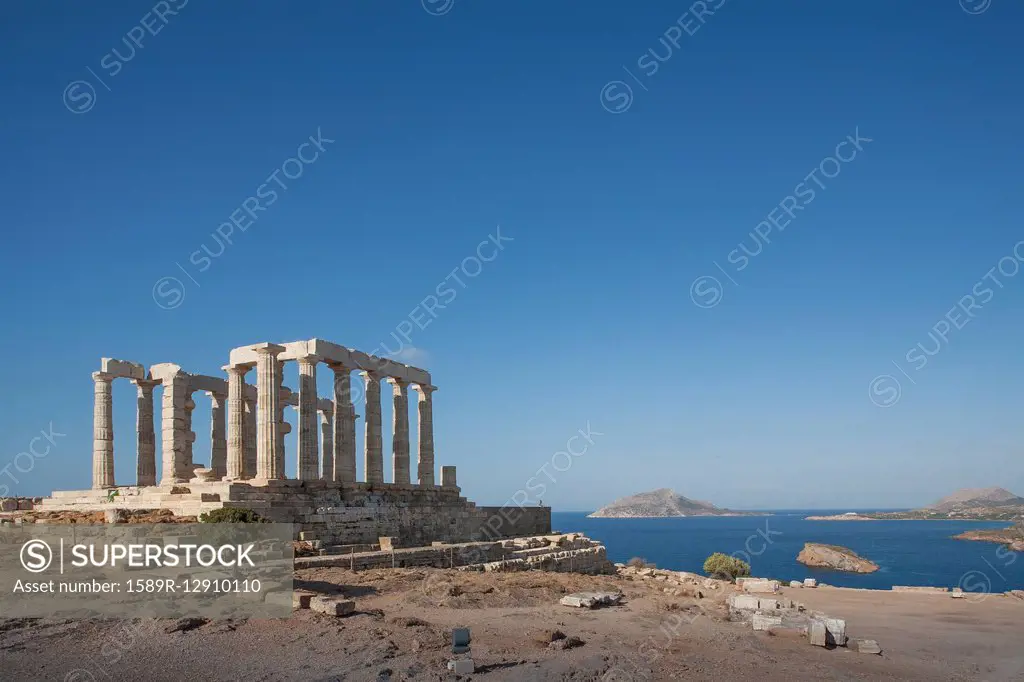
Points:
x=284, y=427
x=373, y=457
x=309, y=422
x=268, y=412
x=400, y=431
x=102, y=431
x=249, y=470
x=425, y=462
x=172, y=422
x=235, y=468
x=327, y=440
x=190, y=435
x=344, y=426
x=145, y=463
x=218, y=434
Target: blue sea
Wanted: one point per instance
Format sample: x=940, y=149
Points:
x=908, y=552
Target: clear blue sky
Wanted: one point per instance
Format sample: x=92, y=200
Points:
x=448, y=124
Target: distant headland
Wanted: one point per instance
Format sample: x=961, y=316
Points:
x=661, y=503
x=967, y=504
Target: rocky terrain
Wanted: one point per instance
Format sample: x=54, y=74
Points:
x=967, y=504
x=848, y=516
x=661, y=503
x=835, y=558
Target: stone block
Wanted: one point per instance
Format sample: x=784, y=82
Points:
x=24, y=505
x=957, y=593
x=835, y=631
x=764, y=622
x=332, y=606
x=388, y=543
x=868, y=646
x=122, y=368
x=795, y=583
x=462, y=666
x=817, y=633
x=302, y=599
x=590, y=599
x=744, y=602
x=8, y=505
x=916, y=588
x=760, y=585
x=810, y=582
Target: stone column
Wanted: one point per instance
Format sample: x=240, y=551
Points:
x=285, y=428
x=172, y=422
x=249, y=471
x=425, y=462
x=309, y=427
x=344, y=426
x=448, y=477
x=400, y=431
x=373, y=457
x=218, y=434
x=268, y=412
x=102, y=431
x=235, y=469
x=145, y=463
x=190, y=435
x=327, y=439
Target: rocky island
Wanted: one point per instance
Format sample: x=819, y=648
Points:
x=660, y=503
x=837, y=558
x=1012, y=537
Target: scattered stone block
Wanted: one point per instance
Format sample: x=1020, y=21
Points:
x=868, y=646
x=918, y=588
x=279, y=599
x=590, y=599
x=764, y=622
x=301, y=600
x=462, y=666
x=566, y=643
x=795, y=583
x=388, y=543
x=8, y=505
x=817, y=633
x=744, y=602
x=810, y=582
x=957, y=593
x=760, y=585
x=332, y=606
x=835, y=631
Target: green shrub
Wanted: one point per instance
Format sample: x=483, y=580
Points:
x=639, y=562
x=231, y=515
x=725, y=567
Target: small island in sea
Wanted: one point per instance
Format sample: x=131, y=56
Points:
x=837, y=558
x=967, y=504
x=661, y=503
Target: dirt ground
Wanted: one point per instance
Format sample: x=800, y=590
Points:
x=401, y=630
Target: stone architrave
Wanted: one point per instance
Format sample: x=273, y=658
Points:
x=344, y=425
x=102, y=431
x=308, y=465
x=145, y=464
x=268, y=412
x=327, y=444
x=425, y=461
x=400, y=431
x=373, y=457
x=218, y=434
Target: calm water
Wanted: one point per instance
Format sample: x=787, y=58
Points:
x=908, y=552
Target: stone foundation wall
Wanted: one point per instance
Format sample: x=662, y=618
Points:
x=506, y=522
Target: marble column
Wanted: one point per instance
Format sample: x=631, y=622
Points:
x=249, y=470
x=425, y=462
x=309, y=450
x=172, y=422
x=218, y=434
x=268, y=412
x=344, y=426
x=190, y=435
x=400, y=431
x=102, y=431
x=373, y=457
x=235, y=469
x=327, y=439
x=285, y=428
x=145, y=463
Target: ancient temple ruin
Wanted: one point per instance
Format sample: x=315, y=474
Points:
x=247, y=459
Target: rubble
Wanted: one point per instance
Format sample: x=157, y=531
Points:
x=590, y=599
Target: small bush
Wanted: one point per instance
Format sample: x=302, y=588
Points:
x=725, y=567
x=639, y=562
x=231, y=515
